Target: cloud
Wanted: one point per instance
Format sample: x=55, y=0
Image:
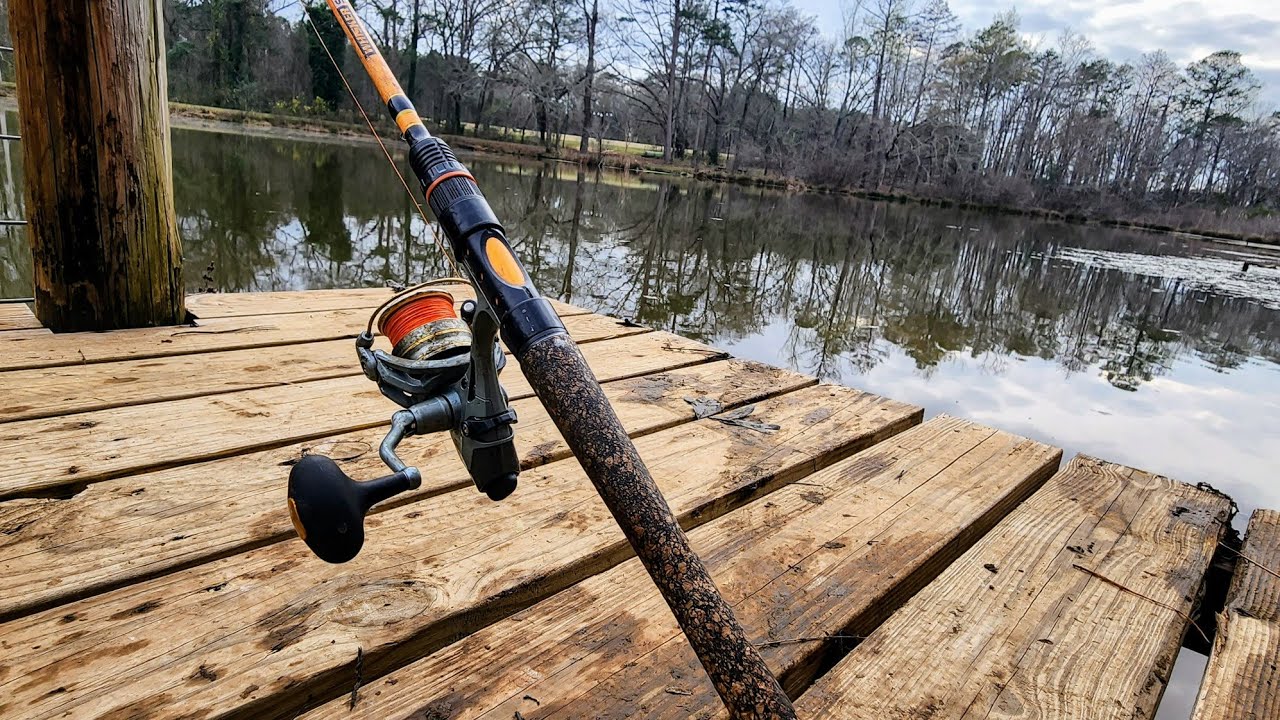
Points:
x=1122, y=30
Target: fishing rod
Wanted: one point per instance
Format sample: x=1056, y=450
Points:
x=443, y=371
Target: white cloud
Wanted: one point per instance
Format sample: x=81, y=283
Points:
x=1122, y=30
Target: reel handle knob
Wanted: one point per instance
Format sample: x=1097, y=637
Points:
x=327, y=507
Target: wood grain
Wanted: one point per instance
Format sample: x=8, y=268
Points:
x=262, y=633
x=1242, y=680
x=63, y=390
x=831, y=556
x=211, y=305
x=118, y=531
x=213, y=334
x=1074, y=606
x=17, y=316
x=48, y=453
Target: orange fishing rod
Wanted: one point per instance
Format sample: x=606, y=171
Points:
x=328, y=507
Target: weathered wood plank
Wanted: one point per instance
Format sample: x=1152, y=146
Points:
x=211, y=305
x=226, y=333
x=32, y=334
x=832, y=556
x=62, y=390
x=208, y=335
x=257, y=634
x=114, y=532
x=17, y=316
x=1242, y=681
x=1074, y=606
x=47, y=453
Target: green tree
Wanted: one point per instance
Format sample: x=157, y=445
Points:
x=326, y=80
x=1217, y=86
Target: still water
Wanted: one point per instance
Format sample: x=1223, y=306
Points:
x=1148, y=350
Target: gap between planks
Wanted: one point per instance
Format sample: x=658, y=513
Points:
x=47, y=456
x=50, y=392
x=250, y=624
x=23, y=351
x=17, y=316
x=1242, y=680
x=232, y=304
x=203, y=306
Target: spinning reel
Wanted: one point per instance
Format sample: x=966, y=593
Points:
x=443, y=370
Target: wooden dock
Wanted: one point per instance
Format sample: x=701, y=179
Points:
x=887, y=566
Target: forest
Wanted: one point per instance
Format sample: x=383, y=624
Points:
x=899, y=99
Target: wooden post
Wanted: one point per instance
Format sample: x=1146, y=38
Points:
x=98, y=171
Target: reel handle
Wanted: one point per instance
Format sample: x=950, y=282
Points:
x=327, y=506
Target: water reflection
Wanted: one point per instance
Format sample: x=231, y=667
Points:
x=720, y=262
x=15, y=254
x=1142, y=349
x=260, y=214
x=856, y=278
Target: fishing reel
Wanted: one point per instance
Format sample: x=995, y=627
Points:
x=443, y=371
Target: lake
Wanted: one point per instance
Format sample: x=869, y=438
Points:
x=1151, y=350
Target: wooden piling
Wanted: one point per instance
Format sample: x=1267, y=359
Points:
x=95, y=136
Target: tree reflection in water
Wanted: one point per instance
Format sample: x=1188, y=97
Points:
x=718, y=262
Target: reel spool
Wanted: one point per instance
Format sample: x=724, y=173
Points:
x=431, y=344
x=424, y=326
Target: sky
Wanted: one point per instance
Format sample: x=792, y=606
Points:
x=1122, y=30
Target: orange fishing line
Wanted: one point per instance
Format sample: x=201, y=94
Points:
x=414, y=314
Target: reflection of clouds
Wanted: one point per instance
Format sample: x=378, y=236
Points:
x=1192, y=424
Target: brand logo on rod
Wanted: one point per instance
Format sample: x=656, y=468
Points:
x=356, y=30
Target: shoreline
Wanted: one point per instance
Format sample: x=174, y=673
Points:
x=214, y=119
x=275, y=125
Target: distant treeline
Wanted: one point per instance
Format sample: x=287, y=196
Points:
x=900, y=98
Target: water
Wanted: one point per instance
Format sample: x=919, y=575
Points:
x=1148, y=350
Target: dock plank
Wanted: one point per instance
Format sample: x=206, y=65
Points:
x=1242, y=680
x=47, y=453
x=51, y=391
x=119, y=531
x=262, y=633
x=833, y=556
x=211, y=305
x=17, y=316
x=235, y=304
x=20, y=350
x=1074, y=606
